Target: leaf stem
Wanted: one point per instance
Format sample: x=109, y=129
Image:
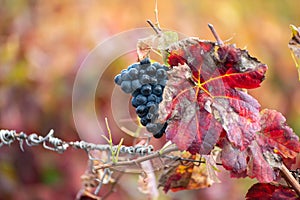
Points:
x=215, y=34
x=290, y=179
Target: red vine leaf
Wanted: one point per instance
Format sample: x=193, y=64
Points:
x=234, y=160
x=258, y=167
x=263, y=156
x=190, y=126
x=266, y=191
x=201, y=98
x=250, y=162
x=187, y=175
x=276, y=135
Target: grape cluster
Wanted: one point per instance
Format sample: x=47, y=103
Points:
x=145, y=82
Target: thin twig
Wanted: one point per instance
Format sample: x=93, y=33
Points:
x=290, y=179
x=156, y=29
x=138, y=160
x=156, y=16
x=215, y=34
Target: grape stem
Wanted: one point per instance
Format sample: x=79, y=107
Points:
x=215, y=34
x=155, y=28
x=290, y=179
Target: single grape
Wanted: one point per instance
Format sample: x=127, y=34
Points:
x=152, y=97
x=161, y=74
x=134, y=103
x=133, y=73
x=151, y=127
x=158, y=90
x=151, y=70
x=145, y=61
x=161, y=132
x=141, y=100
x=145, y=79
x=158, y=135
x=118, y=79
x=144, y=121
x=146, y=90
x=126, y=86
x=125, y=76
x=135, y=84
x=141, y=110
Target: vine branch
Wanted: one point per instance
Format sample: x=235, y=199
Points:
x=290, y=179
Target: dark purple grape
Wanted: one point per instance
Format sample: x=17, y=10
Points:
x=157, y=90
x=146, y=90
x=141, y=110
x=151, y=70
x=158, y=135
x=145, y=79
x=145, y=61
x=135, y=84
x=125, y=76
x=126, y=86
x=152, y=97
x=133, y=73
x=144, y=121
x=151, y=127
x=140, y=99
x=161, y=74
x=118, y=79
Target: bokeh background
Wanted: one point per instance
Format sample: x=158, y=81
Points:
x=43, y=43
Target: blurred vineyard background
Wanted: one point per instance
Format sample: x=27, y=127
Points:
x=42, y=44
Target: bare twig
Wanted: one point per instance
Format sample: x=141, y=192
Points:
x=214, y=32
x=156, y=16
x=290, y=179
x=157, y=154
x=156, y=29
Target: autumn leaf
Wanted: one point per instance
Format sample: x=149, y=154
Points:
x=294, y=45
x=250, y=162
x=276, y=135
x=190, y=126
x=187, y=175
x=266, y=191
x=263, y=157
x=202, y=96
x=234, y=160
x=258, y=167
